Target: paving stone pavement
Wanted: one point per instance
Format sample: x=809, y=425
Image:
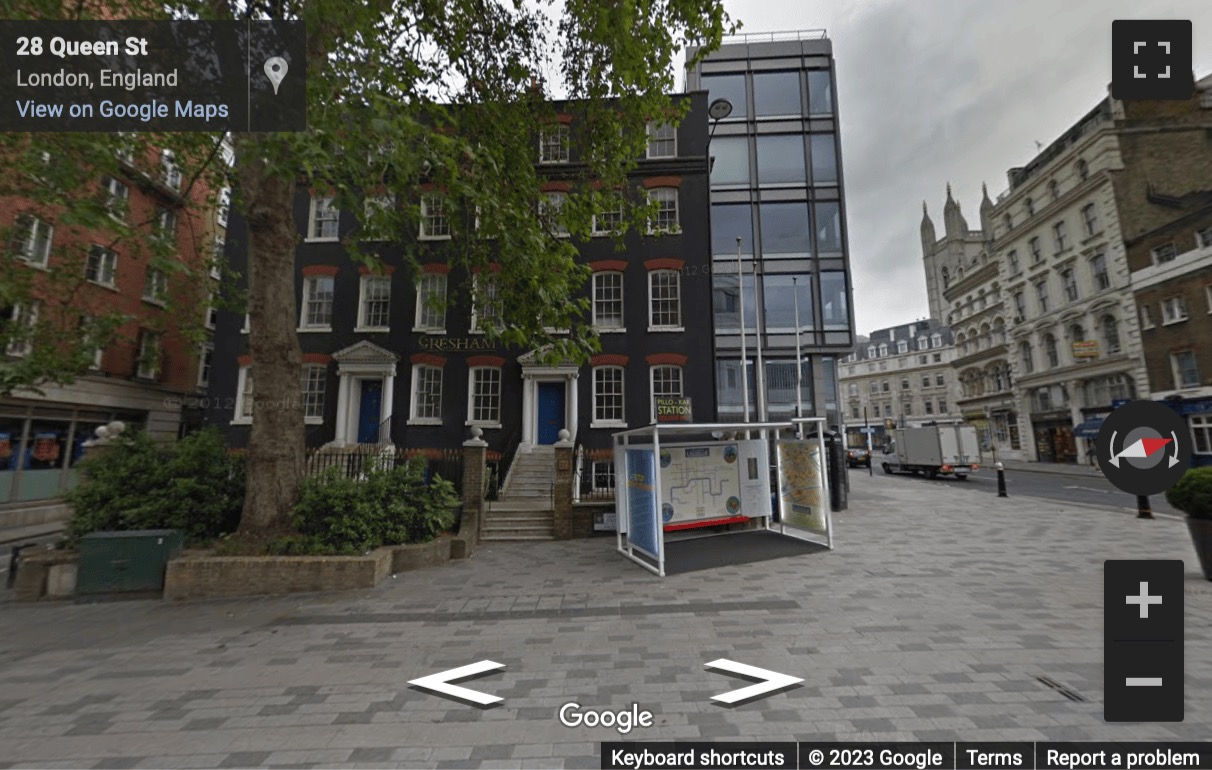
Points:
x=940, y=615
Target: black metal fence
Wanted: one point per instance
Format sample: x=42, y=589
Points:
x=356, y=462
x=595, y=475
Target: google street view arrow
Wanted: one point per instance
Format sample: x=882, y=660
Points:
x=440, y=683
x=769, y=682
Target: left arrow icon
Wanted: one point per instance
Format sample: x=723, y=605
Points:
x=440, y=682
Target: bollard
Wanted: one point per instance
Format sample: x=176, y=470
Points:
x=1001, y=479
x=12, y=566
x=1143, y=511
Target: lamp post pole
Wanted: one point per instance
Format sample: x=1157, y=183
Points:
x=740, y=288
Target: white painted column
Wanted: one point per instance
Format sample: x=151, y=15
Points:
x=528, y=391
x=572, y=421
x=389, y=391
x=342, y=410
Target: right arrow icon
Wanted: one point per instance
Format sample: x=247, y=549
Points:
x=769, y=682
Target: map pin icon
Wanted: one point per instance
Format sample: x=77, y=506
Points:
x=275, y=70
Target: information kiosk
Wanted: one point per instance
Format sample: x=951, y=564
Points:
x=672, y=477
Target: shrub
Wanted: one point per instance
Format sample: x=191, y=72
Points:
x=1193, y=493
x=391, y=506
x=193, y=485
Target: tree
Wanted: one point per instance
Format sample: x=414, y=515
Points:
x=445, y=100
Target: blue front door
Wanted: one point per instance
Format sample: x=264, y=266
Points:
x=551, y=411
x=368, y=411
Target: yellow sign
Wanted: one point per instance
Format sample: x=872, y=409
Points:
x=1085, y=349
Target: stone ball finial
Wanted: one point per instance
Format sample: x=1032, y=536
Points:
x=116, y=427
x=476, y=432
x=564, y=434
x=101, y=432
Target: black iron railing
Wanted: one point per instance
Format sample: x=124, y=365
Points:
x=508, y=452
x=357, y=462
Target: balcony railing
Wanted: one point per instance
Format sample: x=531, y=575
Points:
x=745, y=38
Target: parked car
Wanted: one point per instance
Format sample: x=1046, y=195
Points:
x=856, y=456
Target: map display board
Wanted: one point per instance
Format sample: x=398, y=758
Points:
x=705, y=482
x=801, y=486
x=643, y=525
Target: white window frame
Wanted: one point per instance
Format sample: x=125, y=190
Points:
x=309, y=282
x=99, y=351
x=486, y=290
x=211, y=319
x=1102, y=276
x=204, y=367
x=616, y=215
x=1069, y=282
x=593, y=475
x=657, y=136
x=439, y=279
x=372, y=207
x=216, y=267
x=414, y=398
x=1041, y=296
x=652, y=394
x=652, y=300
x=155, y=286
x=1208, y=297
x=116, y=191
x=242, y=400
x=427, y=226
x=170, y=172
x=223, y=207
x=1060, y=236
x=1167, y=252
x=558, y=151
x=326, y=205
x=1174, y=309
x=1037, y=250
x=902, y=346
x=1146, y=317
x=307, y=379
x=1179, y=384
x=552, y=203
x=596, y=420
x=104, y=275
x=597, y=321
x=364, y=300
x=1201, y=423
x=244, y=328
x=661, y=196
x=471, y=396
x=148, y=339
x=1203, y=238
x=35, y=247
x=936, y=340
x=23, y=314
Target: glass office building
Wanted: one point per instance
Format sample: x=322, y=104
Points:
x=777, y=200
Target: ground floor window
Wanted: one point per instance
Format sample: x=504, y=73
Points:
x=40, y=447
x=602, y=473
x=1201, y=431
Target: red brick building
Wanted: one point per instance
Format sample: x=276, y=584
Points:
x=1171, y=269
x=152, y=366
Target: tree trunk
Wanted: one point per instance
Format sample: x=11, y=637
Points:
x=276, y=450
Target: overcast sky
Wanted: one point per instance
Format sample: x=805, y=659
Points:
x=931, y=91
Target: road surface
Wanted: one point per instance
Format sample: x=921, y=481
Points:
x=1083, y=486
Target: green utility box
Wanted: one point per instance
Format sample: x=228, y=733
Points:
x=125, y=564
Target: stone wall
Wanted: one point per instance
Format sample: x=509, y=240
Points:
x=406, y=558
x=34, y=573
x=202, y=576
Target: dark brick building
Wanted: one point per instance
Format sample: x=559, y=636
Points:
x=380, y=365
x=1172, y=282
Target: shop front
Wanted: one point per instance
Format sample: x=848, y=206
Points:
x=1197, y=412
x=42, y=445
x=1054, y=439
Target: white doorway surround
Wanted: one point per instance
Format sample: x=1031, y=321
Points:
x=357, y=364
x=535, y=373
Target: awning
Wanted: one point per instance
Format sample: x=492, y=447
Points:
x=1089, y=428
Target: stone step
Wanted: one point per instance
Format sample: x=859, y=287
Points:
x=505, y=537
x=520, y=506
x=510, y=519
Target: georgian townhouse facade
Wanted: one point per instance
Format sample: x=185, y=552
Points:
x=150, y=370
x=1172, y=282
x=384, y=362
x=901, y=376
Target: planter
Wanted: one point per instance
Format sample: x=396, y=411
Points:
x=406, y=558
x=1201, y=538
x=204, y=576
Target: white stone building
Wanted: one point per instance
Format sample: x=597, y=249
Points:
x=899, y=377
